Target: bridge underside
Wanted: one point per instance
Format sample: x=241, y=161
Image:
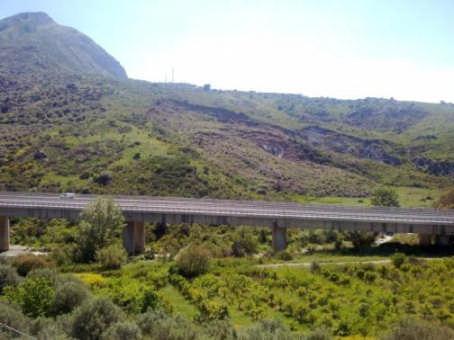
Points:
x=134, y=234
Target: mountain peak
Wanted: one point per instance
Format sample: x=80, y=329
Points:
x=33, y=42
x=34, y=18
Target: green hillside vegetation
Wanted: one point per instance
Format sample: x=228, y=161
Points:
x=71, y=121
x=62, y=127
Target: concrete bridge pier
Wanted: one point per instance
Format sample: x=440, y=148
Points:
x=279, y=238
x=4, y=233
x=134, y=237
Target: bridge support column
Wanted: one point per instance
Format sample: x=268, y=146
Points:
x=4, y=233
x=442, y=240
x=134, y=238
x=425, y=240
x=279, y=238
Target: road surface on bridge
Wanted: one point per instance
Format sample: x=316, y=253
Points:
x=233, y=208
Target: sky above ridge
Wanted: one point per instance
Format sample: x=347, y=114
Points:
x=344, y=49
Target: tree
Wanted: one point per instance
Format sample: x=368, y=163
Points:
x=94, y=317
x=101, y=223
x=69, y=295
x=385, y=197
x=361, y=239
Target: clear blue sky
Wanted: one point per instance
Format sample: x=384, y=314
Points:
x=344, y=48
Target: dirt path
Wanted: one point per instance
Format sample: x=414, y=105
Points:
x=340, y=263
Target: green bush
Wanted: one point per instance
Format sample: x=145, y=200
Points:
x=14, y=318
x=50, y=328
x=125, y=330
x=284, y=256
x=35, y=295
x=412, y=329
x=63, y=254
x=192, y=261
x=220, y=329
x=315, y=267
x=69, y=295
x=398, y=259
x=94, y=317
x=158, y=325
x=28, y=262
x=361, y=239
x=213, y=310
x=8, y=276
x=385, y=197
x=112, y=257
x=244, y=246
x=267, y=330
x=150, y=300
x=318, y=334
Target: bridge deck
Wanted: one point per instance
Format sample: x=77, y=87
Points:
x=25, y=203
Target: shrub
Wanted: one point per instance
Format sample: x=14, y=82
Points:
x=157, y=325
x=267, y=330
x=318, y=334
x=284, y=256
x=220, y=329
x=385, y=197
x=112, y=257
x=150, y=300
x=213, y=310
x=398, y=259
x=63, y=254
x=35, y=295
x=68, y=296
x=412, y=329
x=315, y=267
x=13, y=318
x=192, y=261
x=102, y=222
x=49, y=328
x=126, y=330
x=8, y=277
x=94, y=317
x=244, y=246
x=361, y=239
x=104, y=178
x=28, y=262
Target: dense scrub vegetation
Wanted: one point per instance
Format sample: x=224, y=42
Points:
x=197, y=282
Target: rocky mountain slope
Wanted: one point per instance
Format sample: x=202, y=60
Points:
x=70, y=120
x=33, y=42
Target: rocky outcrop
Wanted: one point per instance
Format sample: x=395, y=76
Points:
x=329, y=140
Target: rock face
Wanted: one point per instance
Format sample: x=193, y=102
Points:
x=377, y=150
x=34, y=43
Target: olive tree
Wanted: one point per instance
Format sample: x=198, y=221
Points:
x=385, y=197
x=101, y=224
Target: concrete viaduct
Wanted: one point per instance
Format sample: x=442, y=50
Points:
x=430, y=224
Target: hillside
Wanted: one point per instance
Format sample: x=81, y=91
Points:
x=71, y=121
x=33, y=42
